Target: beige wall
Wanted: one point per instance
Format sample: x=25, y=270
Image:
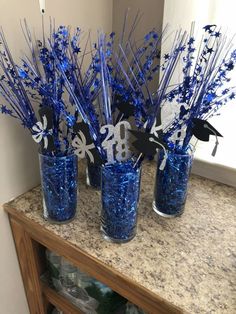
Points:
x=152, y=16
x=152, y=11
x=18, y=155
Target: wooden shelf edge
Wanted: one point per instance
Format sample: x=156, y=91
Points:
x=59, y=301
x=134, y=292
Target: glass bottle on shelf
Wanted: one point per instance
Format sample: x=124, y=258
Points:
x=69, y=276
x=54, y=268
x=57, y=311
x=87, y=293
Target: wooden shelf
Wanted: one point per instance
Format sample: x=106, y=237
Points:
x=59, y=301
x=32, y=238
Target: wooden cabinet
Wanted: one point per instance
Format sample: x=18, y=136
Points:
x=176, y=265
x=31, y=240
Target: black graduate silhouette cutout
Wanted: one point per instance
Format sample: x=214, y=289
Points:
x=147, y=143
x=85, y=144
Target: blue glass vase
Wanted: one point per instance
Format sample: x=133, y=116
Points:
x=120, y=196
x=59, y=177
x=93, y=175
x=171, y=184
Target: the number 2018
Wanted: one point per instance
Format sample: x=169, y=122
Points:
x=116, y=141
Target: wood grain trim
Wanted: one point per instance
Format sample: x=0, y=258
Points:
x=59, y=301
x=29, y=272
x=148, y=301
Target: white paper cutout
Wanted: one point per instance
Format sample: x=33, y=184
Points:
x=163, y=163
x=122, y=136
x=109, y=142
x=81, y=147
x=116, y=141
x=41, y=132
x=154, y=130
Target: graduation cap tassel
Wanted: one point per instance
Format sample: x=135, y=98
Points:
x=216, y=143
x=163, y=163
x=215, y=148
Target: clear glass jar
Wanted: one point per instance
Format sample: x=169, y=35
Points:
x=59, y=179
x=120, y=196
x=57, y=311
x=69, y=276
x=84, y=280
x=172, y=183
x=54, y=268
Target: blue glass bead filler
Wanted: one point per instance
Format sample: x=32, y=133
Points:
x=171, y=184
x=120, y=196
x=59, y=177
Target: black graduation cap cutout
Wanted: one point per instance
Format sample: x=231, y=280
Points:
x=125, y=107
x=42, y=130
x=84, y=144
x=146, y=143
x=202, y=130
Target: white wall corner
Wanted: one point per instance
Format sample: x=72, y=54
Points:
x=214, y=171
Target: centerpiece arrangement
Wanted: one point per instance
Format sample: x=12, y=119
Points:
x=34, y=94
x=103, y=138
x=203, y=91
x=112, y=113
x=103, y=101
x=124, y=75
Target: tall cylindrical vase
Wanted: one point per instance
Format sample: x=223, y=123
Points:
x=172, y=183
x=59, y=178
x=120, y=196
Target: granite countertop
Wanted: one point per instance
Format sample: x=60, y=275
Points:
x=190, y=261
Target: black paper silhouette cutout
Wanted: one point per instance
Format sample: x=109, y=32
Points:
x=126, y=108
x=147, y=143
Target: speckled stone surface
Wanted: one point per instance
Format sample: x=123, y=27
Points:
x=190, y=261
